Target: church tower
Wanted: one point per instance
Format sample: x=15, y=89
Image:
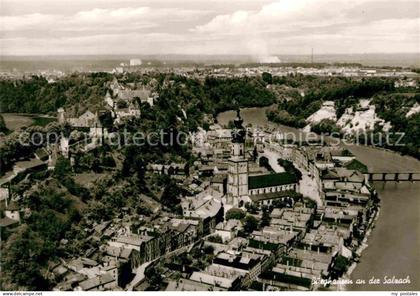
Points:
x=61, y=116
x=237, y=184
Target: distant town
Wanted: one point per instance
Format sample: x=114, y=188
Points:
x=15, y=67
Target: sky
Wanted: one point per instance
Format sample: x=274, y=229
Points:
x=207, y=27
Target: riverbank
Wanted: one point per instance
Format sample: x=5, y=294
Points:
x=359, y=252
x=394, y=243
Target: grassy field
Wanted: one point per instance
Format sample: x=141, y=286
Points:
x=42, y=121
x=88, y=179
x=17, y=121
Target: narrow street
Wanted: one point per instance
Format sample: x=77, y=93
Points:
x=139, y=276
x=140, y=269
x=272, y=160
x=308, y=186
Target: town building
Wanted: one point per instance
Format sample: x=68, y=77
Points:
x=228, y=230
x=219, y=276
x=237, y=184
x=206, y=207
x=241, y=187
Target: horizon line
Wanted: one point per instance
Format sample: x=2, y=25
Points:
x=209, y=55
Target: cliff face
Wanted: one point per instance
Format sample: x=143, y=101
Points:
x=359, y=118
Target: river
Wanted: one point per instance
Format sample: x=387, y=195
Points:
x=394, y=244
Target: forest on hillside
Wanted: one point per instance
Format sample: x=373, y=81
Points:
x=210, y=96
x=391, y=104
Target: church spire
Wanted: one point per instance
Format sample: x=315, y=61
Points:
x=238, y=132
x=237, y=186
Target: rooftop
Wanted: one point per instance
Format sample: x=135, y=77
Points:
x=274, y=235
x=27, y=164
x=217, y=276
x=271, y=180
x=323, y=236
x=6, y=221
x=135, y=240
x=189, y=285
x=271, y=195
x=92, y=283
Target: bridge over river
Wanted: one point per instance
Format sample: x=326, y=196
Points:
x=397, y=176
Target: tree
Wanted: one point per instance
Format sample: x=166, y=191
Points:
x=48, y=225
x=23, y=257
x=106, y=119
x=284, y=117
x=209, y=249
x=251, y=207
x=235, y=213
x=289, y=167
x=341, y=264
x=121, y=104
x=325, y=126
x=357, y=165
x=346, y=152
x=99, y=212
x=267, y=77
x=215, y=239
x=250, y=223
x=171, y=194
x=154, y=277
x=47, y=198
x=265, y=219
x=187, y=169
x=3, y=128
x=231, y=124
x=62, y=167
x=265, y=163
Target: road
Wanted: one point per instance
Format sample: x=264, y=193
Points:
x=138, y=278
x=308, y=186
x=273, y=157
